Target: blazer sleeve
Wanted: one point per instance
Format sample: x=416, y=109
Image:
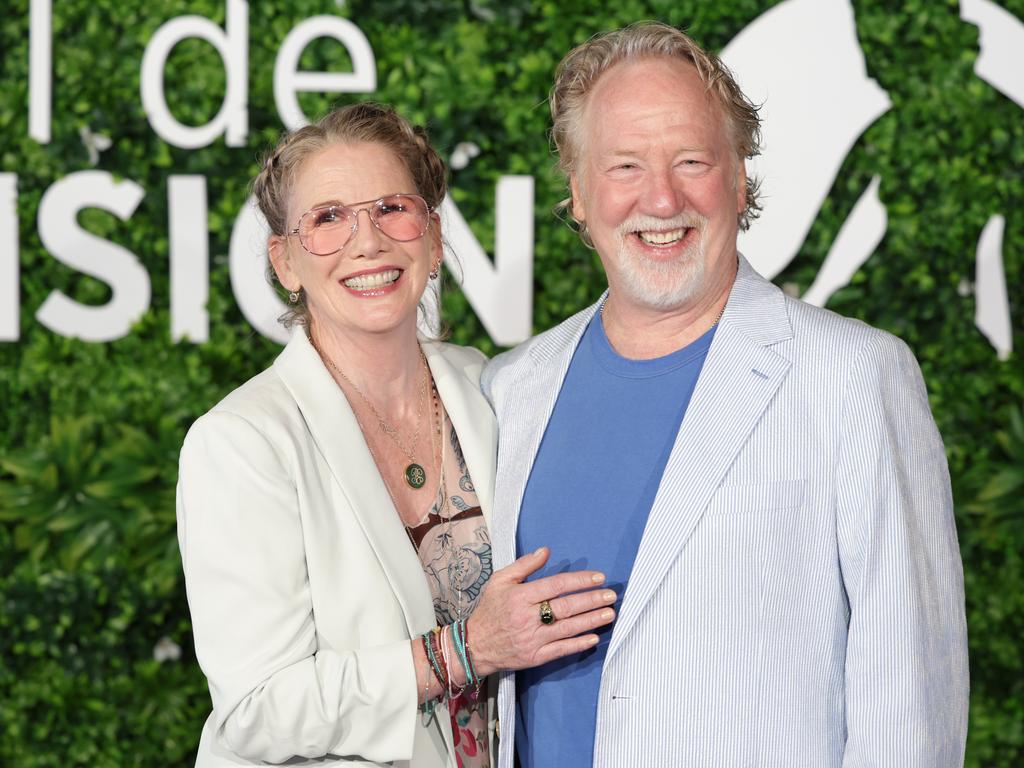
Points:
x=906, y=663
x=275, y=693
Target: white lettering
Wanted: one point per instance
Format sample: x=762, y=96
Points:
x=40, y=70
x=247, y=260
x=288, y=80
x=233, y=47
x=501, y=294
x=190, y=258
x=10, y=299
x=69, y=243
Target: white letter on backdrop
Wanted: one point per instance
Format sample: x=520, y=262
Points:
x=288, y=81
x=190, y=258
x=40, y=69
x=92, y=255
x=247, y=260
x=233, y=48
x=10, y=294
x=501, y=294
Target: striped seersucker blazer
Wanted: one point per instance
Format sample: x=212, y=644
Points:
x=797, y=598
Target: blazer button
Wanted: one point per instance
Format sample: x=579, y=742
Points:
x=497, y=728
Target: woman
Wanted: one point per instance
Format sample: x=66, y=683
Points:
x=332, y=510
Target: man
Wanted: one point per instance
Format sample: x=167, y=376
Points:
x=760, y=479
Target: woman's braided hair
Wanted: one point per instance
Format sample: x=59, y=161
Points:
x=364, y=122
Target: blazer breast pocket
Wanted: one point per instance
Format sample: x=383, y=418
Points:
x=747, y=498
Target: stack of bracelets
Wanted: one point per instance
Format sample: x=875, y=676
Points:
x=437, y=651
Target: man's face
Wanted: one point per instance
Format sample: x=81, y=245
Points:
x=658, y=184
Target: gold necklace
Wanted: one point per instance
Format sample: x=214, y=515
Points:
x=437, y=448
x=442, y=491
x=443, y=505
x=415, y=475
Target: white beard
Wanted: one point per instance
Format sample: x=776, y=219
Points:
x=661, y=284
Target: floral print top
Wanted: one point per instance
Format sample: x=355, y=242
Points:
x=455, y=549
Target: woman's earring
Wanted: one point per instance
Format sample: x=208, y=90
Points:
x=293, y=297
x=435, y=271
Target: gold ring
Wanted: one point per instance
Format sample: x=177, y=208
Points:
x=547, y=616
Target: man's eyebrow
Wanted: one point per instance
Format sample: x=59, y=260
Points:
x=626, y=152
x=621, y=153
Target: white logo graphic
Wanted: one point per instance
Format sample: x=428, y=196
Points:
x=801, y=59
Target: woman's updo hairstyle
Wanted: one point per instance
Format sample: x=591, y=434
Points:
x=367, y=121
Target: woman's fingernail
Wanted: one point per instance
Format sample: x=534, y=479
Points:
x=598, y=578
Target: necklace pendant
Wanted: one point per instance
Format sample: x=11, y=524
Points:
x=415, y=475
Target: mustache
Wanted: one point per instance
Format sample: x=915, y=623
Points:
x=658, y=224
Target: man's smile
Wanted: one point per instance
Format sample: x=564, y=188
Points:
x=670, y=237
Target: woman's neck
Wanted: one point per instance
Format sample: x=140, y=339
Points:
x=386, y=368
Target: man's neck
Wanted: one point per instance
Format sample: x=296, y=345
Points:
x=641, y=332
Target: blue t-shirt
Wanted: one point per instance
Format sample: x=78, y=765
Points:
x=588, y=496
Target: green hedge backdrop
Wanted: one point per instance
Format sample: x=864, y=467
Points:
x=96, y=659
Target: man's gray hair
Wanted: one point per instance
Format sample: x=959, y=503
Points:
x=579, y=71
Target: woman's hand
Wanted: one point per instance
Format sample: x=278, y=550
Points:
x=505, y=630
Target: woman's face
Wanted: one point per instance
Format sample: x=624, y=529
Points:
x=374, y=283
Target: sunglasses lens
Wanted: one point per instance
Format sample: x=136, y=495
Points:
x=325, y=230
x=401, y=217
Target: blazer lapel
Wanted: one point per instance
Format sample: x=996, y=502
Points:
x=531, y=397
x=337, y=435
x=473, y=421
x=739, y=379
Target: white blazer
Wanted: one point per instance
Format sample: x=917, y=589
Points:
x=303, y=587
x=797, y=597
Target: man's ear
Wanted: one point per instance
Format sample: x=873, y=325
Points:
x=741, y=186
x=277, y=248
x=577, y=208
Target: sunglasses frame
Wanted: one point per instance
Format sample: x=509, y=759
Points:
x=356, y=209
